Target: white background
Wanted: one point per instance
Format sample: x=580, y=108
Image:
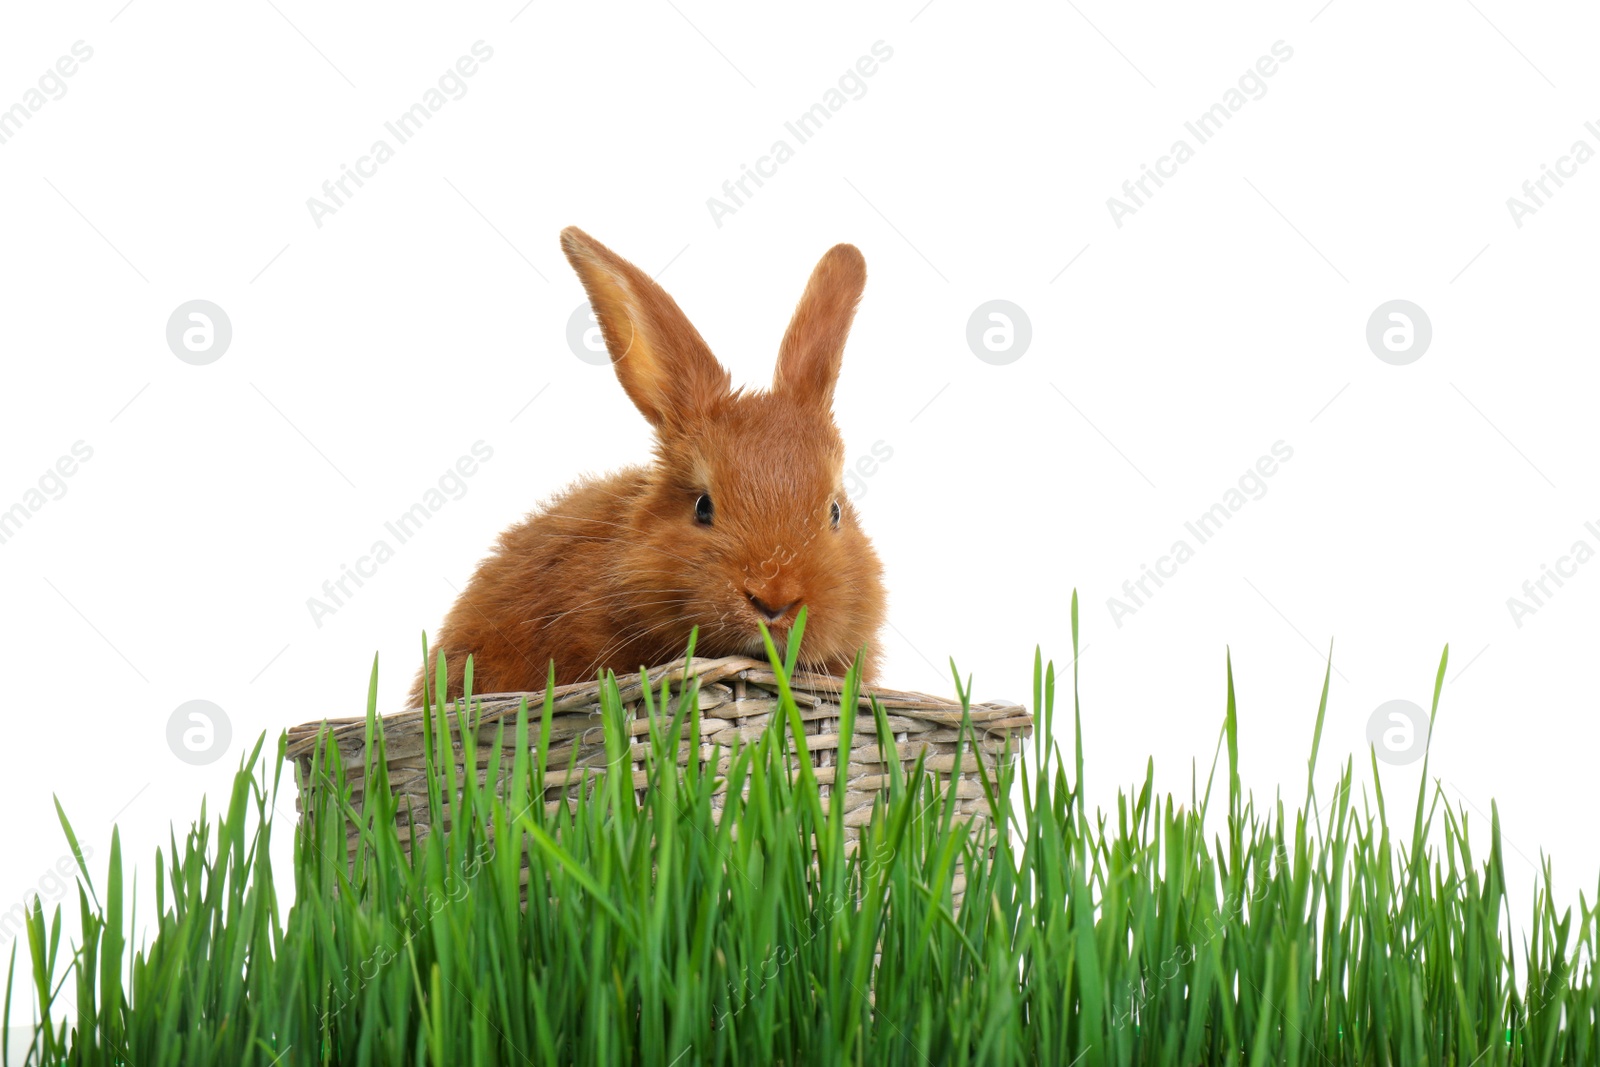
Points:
x=430, y=311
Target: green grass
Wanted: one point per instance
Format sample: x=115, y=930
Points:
x=655, y=934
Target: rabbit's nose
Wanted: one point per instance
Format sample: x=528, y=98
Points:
x=771, y=612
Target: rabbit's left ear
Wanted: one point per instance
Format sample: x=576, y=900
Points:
x=659, y=357
x=813, y=346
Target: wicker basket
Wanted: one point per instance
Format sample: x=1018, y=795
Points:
x=737, y=698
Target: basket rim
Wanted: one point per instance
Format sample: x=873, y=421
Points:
x=492, y=707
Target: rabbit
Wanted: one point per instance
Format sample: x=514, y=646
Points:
x=740, y=518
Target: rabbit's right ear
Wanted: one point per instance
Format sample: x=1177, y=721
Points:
x=663, y=363
x=813, y=346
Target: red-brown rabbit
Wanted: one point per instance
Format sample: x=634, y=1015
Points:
x=741, y=517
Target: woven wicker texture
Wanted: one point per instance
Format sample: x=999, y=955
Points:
x=737, y=699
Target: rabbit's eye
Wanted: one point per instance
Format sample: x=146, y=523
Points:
x=835, y=514
x=702, y=509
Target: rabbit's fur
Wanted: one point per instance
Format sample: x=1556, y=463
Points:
x=614, y=572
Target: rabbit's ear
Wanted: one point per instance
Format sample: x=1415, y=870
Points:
x=808, y=359
x=664, y=365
